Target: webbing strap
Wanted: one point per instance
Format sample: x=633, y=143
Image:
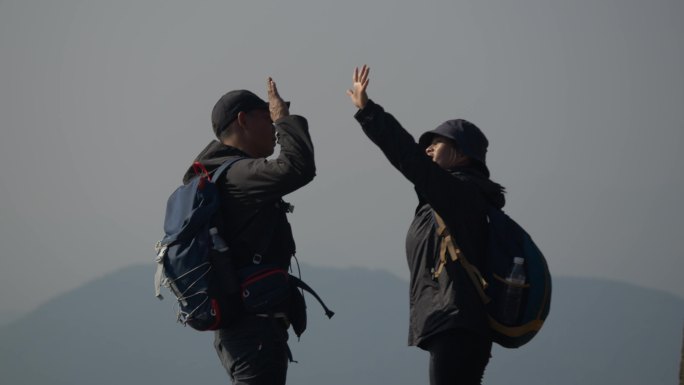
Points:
x=442, y=258
x=159, y=273
x=224, y=167
x=301, y=284
x=445, y=238
x=448, y=243
x=158, y=276
x=516, y=331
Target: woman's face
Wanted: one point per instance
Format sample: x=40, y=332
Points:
x=443, y=152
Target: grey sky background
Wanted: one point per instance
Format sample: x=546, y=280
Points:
x=104, y=104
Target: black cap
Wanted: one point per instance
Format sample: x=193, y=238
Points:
x=230, y=104
x=470, y=139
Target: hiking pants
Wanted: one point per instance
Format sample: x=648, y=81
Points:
x=254, y=351
x=458, y=357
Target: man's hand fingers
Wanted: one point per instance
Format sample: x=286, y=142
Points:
x=272, y=89
x=277, y=107
x=275, y=89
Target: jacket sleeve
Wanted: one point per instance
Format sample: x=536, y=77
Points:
x=262, y=180
x=445, y=193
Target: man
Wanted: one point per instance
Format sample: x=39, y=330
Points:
x=448, y=170
x=253, y=348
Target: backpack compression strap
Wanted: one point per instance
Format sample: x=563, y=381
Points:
x=445, y=238
x=299, y=283
x=448, y=243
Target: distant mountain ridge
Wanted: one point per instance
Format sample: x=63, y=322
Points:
x=113, y=331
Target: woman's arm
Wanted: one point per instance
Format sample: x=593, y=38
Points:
x=445, y=193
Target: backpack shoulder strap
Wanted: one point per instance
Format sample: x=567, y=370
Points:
x=225, y=166
x=448, y=243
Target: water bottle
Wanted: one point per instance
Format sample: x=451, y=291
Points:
x=510, y=306
x=218, y=242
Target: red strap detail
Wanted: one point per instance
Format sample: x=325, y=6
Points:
x=202, y=171
x=261, y=275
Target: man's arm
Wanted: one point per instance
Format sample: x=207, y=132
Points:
x=263, y=180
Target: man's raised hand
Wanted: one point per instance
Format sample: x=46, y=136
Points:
x=276, y=105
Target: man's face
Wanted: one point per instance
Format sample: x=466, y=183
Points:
x=260, y=133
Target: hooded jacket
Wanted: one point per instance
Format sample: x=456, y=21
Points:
x=253, y=215
x=461, y=197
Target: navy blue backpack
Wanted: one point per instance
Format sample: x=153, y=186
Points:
x=507, y=240
x=184, y=255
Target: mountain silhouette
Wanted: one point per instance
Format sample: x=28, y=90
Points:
x=113, y=331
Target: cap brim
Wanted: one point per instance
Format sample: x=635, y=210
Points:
x=425, y=139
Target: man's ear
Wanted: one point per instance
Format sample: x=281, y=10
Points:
x=242, y=119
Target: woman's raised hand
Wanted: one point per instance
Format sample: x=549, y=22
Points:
x=359, y=83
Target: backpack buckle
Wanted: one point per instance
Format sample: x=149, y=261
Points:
x=257, y=258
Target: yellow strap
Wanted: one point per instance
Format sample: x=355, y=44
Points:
x=456, y=254
x=442, y=259
x=443, y=233
x=516, y=331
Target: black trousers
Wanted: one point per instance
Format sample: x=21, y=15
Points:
x=254, y=351
x=458, y=357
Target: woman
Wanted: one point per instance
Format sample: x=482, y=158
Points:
x=448, y=170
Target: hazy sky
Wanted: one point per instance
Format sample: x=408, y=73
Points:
x=104, y=104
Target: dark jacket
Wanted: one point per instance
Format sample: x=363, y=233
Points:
x=254, y=215
x=461, y=197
